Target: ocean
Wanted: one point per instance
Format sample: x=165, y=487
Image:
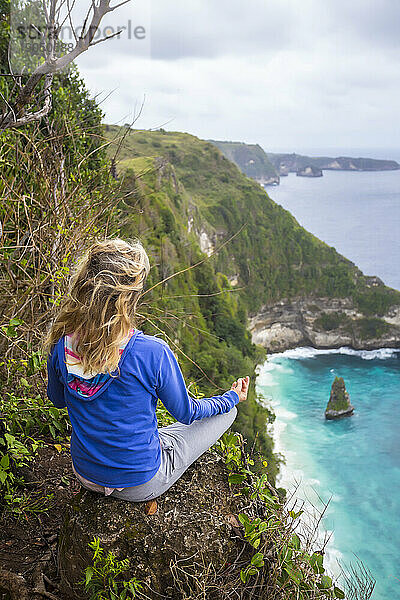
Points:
x=358, y=213
x=353, y=464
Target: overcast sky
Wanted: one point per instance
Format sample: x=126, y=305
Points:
x=291, y=75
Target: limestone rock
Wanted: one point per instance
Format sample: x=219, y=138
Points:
x=193, y=524
x=339, y=401
x=309, y=171
x=286, y=324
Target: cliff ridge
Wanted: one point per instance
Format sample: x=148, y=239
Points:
x=323, y=322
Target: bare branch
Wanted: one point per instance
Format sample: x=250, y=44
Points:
x=15, y=116
x=108, y=37
x=35, y=116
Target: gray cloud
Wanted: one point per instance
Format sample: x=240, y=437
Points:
x=202, y=28
x=284, y=73
x=376, y=23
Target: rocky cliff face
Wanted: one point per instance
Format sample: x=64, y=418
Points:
x=309, y=171
x=273, y=180
x=346, y=163
x=321, y=323
x=194, y=526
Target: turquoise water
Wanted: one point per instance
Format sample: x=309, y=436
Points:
x=355, y=460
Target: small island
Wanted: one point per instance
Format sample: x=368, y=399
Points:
x=268, y=167
x=339, y=401
x=309, y=171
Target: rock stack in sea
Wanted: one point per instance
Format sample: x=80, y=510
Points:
x=339, y=401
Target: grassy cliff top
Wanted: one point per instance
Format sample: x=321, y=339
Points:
x=273, y=257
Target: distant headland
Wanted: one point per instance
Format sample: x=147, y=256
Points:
x=293, y=163
x=268, y=167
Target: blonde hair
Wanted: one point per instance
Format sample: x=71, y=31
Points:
x=100, y=305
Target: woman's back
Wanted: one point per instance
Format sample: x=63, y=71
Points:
x=110, y=378
x=114, y=432
x=114, y=438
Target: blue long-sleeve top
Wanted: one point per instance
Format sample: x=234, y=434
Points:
x=114, y=439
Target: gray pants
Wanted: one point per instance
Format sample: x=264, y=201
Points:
x=181, y=445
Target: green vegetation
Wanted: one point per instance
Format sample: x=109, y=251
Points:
x=273, y=256
x=338, y=399
x=281, y=563
x=366, y=328
x=18, y=454
x=331, y=320
x=273, y=557
x=29, y=421
x=250, y=158
x=57, y=196
x=375, y=301
x=101, y=579
x=177, y=188
x=295, y=161
x=372, y=327
x=4, y=34
x=172, y=188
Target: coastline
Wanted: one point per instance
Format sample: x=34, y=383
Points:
x=289, y=476
x=289, y=324
x=301, y=488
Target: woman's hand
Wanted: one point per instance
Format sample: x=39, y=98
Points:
x=241, y=386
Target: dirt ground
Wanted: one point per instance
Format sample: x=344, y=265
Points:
x=28, y=561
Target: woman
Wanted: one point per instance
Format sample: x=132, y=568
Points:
x=109, y=375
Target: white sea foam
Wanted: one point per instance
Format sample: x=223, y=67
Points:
x=276, y=432
x=283, y=413
x=267, y=378
x=266, y=372
x=310, y=352
x=291, y=476
x=306, y=498
x=308, y=494
x=314, y=482
x=337, y=498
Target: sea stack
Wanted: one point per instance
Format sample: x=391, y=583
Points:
x=309, y=171
x=339, y=401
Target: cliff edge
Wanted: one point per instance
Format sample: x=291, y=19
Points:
x=193, y=526
x=221, y=532
x=322, y=322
